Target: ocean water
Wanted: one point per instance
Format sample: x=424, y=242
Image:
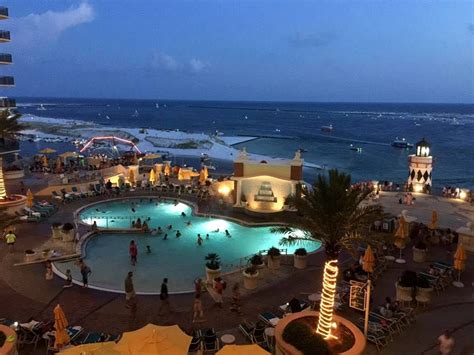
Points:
x=448, y=127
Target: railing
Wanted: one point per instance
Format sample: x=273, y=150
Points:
x=6, y=58
x=3, y=11
x=7, y=103
x=5, y=35
x=7, y=80
x=7, y=145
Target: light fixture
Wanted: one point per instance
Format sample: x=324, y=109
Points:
x=224, y=190
x=462, y=195
x=326, y=309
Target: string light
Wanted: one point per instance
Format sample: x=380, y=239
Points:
x=326, y=309
x=3, y=191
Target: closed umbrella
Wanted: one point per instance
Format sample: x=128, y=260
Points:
x=202, y=177
x=152, y=177
x=206, y=173
x=106, y=348
x=131, y=176
x=167, y=170
x=400, y=237
x=60, y=325
x=29, y=198
x=180, y=174
x=253, y=349
x=434, y=220
x=460, y=258
x=155, y=340
x=58, y=165
x=368, y=260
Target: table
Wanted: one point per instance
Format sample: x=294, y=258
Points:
x=227, y=339
x=270, y=336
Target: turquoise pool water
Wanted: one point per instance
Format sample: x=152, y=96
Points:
x=180, y=259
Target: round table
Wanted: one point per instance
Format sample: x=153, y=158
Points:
x=314, y=297
x=227, y=339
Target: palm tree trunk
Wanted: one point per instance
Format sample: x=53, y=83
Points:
x=3, y=192
x=326, y=308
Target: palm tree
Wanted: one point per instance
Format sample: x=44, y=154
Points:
x=333, y=213
x=9, y=125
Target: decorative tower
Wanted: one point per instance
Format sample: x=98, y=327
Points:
x=420, y=165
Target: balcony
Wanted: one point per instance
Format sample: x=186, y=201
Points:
x=5, y=102
x=7, y=81
x=3, y=13
x=6, y=58
x=4, y=36
x=8, y=146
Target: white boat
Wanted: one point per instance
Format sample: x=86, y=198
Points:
x=136, y=114
x=327, y=128
x=157, y=105
x=107, y=117
x=401, y=143
x=41, y=108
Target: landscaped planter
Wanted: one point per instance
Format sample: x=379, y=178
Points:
x=419, y=255
x=67, y=232
x=403, y=293
x=299, y=261
x=9, y=346
x=212, y=274
x=273, y=262
x=56, y=230
x=351, y=340
x=250, y=280
x=13, y=174
x=30, y=255
x=424, y=294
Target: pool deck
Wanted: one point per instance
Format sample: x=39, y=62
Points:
x=25, y=293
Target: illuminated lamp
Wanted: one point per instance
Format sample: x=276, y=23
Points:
x=417, y=188
x=462, y=195
x=326, y=308
x=224, y=190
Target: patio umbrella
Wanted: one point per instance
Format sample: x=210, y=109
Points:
x=155, y=340
x=400, y=237
x=460, y=258
x=47, y=151
x=202, y=177
x=180, y=174
x=60, y=325
x=107, y=348
x=253, y=349
x=167, y=170
x=152, y=177
x=29, y=198
x=434, y=220
x=206, y=173
x=131, y=176
x=368, y=260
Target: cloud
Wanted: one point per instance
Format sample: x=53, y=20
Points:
x=165, y=62
x=35, y=30
x=310, y=40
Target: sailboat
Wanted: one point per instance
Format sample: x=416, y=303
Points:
x=136, y=114
x=41, y=108
x=157, y=105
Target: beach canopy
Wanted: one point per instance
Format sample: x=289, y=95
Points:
x=434, y=220
x=153, y=340
x=460, y=258
x=152, y=177
x=401, y=233
x=60, y=325
x=368, y=260
x=107, y=348
x=29, y=198
x=253, y=349
x=47, y=151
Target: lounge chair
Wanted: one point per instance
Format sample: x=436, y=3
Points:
x=269, y=318
x=56, y=196
x=196, y=345
x=69, y=195
x=254, y=332
x=76, y=192
x=29, y=336
x=210, y=340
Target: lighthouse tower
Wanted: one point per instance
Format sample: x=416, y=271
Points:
x=420, y=166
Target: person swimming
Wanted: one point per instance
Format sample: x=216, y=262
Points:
x=170, y=227
x=227, y=233
x=159, y=230
x=199, y=240
x=178, y=234
x=207, y=236
x=183, y=214
x=216, y=230
x=188, y=223
x=165, y=236
x=148, y=249
x=133, y=210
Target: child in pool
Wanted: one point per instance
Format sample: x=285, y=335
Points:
x=148, y=249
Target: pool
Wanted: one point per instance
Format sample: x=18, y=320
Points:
x=181, y=260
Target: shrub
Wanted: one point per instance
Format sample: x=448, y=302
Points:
x=213, y=261
x=422, y=282
x=256, y=260
x=272, y=252
x=301, y=252
x=251, y=270
x=67, y=227
x=420, y=245
x=408, y=279
x=304, y=339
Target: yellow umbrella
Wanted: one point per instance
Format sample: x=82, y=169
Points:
x=400, y=237
x=152, y=156
x=29, y=198
x=167, y=170
x=180, y=174
x=107, y=348
x=253, y=349
x=60, y=325
x=460, y=258
x=131, y=176
x=206, y=173
x=155, y=340
x=434, y=220
x=368, y=260
x=202, y=177
x=152, y=177
x=47, y=151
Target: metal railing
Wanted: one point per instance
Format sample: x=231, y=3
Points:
x=5, y=35
x=7, y=80
x=6, y=58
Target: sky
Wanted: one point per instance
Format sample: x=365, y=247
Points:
x=259, y=50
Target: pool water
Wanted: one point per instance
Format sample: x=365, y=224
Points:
x=181, y=259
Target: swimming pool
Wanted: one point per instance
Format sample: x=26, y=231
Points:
x=180, y=259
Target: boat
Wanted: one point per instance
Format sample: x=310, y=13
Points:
x=41, y=108
x=302, y=150
x=157, y=105
x=355, y=149
x=401, y=143
x=327, y=128
x=135, y=114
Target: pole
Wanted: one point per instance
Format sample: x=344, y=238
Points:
x=367, y=306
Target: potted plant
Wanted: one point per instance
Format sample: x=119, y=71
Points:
x=56, y=230
x=250, y=277
x=423, y=290
x=257, y=261
x=299, y=258
x=273, y=258
x=30, y=255
x=213, y=266
x=419, y=252
x=406, y=286
x=67, y=232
